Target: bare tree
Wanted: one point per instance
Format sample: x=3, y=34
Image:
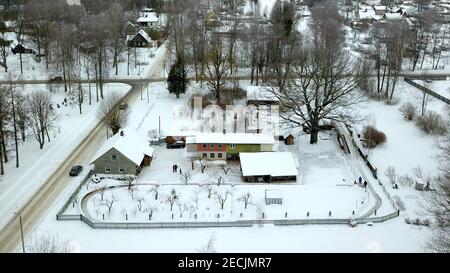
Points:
x=318, y=83
x=41, y=115
x=225, y=169
x=109, y=202
x=110, y=113
x=140, y=200
x=4, y=47
x=219, y=179
x=423, y=100
x=222, y=197
x=246, y=199
x=47, y=242
x=155, y=190
x=391, y=174
x=185, y=177
x=102, y=190
x=438, y=203
x=172, y=198
x=182, y=207
x=218, y=66
x=130, y=180
x=209, y=189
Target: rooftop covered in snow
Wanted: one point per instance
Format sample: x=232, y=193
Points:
x=260, y=93
x=129, y=144
x=268, y=163
x=230, y=138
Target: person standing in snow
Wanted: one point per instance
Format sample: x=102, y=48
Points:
x=176, y=168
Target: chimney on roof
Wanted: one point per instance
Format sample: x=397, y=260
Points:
x=122, y=133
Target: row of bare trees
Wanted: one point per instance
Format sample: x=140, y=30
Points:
x=23, y=115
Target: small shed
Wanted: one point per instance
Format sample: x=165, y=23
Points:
x=268, y=167
x=140, y=39
x=18, y=48
x=420, y=185
x=289, y=139
x=273, y=197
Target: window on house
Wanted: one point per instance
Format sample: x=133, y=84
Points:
x=232, y=146
x=204, y=146
x=220, y=146
x=205, y=155
x=121, y=170
x=219, y=155
x=107, y=169
x=211, y=155
x=211, y=146
x=113, y=157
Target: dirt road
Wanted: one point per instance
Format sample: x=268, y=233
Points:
x=43, y=199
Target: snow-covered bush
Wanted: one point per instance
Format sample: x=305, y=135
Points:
x=432, y=123
x=408, y=110
x=373, y=137
x=391, y=174
x=399, y=203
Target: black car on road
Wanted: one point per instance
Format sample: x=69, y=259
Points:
x=76, y=170
x=176, y=145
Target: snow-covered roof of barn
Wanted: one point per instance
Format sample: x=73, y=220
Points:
x=260, y=93
x=130, y=145
x=268, y=163
x=230, y=138
x=142, y=33
x=149, y=17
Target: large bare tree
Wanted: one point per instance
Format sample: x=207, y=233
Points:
x=110, y=113
x=318, y=82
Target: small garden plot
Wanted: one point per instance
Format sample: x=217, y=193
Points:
x=162, y=203
x=213, y=171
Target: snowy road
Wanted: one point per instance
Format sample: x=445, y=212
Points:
x=44, y=197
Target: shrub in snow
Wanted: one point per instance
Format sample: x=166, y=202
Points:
x=416, y=221
x=399, y=203
x=426, y=222
x=391, y=174
x=373, y=137
x=432, y=123
x=407, y=220
x=408, y=110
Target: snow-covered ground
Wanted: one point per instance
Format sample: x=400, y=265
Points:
x=325, y=174
x=406, y=147
x=18, y=184
x=34, y=70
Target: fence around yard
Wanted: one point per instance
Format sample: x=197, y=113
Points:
x=211, y=224
x=238, y=223
x=427, y=90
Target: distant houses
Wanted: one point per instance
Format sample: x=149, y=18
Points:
x=261, y=95
x=124, y=153
x=219, y=146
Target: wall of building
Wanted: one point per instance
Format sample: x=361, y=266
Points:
x=114, y=165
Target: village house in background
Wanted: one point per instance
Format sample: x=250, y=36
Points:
x=124, y=153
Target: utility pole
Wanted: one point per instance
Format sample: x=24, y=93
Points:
x=21, y=233
x=148, y=97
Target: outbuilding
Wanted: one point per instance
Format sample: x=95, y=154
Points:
x=268, y=167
